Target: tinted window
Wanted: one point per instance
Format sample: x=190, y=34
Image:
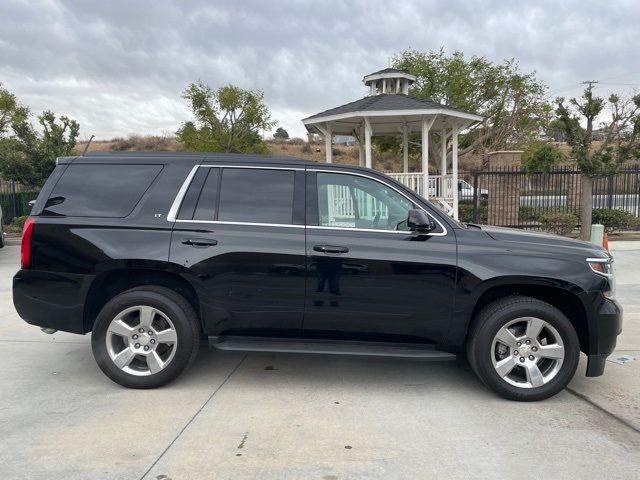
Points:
x=206, y=208
x=100, y=190
x=190, y=199
x=257, y=196
x=357, y=202
x=199, y=203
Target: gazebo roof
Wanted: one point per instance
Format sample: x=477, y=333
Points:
x=388, y=112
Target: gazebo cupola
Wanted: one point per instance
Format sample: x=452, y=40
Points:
x=389, y=110
x=389, y=80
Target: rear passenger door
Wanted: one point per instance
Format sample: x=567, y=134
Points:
x=239, y=233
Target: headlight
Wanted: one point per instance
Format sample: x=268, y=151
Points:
x=604, y=267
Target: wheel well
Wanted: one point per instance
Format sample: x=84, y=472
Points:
x=565, y=301
x=109, y=284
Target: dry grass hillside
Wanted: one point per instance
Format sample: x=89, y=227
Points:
x=385, y=161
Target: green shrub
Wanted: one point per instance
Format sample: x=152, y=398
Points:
x=19, y=221
x=614, y=219
x=22, y=207
x=529, y=213
x=541, y=157
x=465, y=212
x=16, y=225
x=560, y=223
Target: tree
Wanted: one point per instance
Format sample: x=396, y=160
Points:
x=29, y=155
x=555, y=131
x=10, y=111
x=513, y=103
x=281, y=134
x=228, y=119
x=540, y=156
x=621, y=141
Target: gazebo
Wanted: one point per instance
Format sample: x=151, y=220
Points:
x=388, y=109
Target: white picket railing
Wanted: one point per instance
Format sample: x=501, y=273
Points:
x=341, y=208
x=440, y=186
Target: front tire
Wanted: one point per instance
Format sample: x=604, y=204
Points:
x=523, y=349
x=145, y=337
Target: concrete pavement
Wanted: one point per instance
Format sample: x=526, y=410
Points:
x=275, y=416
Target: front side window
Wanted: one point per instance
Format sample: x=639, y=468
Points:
x=352, y=201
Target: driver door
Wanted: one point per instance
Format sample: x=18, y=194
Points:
x=368, y=275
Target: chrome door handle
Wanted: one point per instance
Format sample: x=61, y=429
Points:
x=330, y=249
x=199, y=242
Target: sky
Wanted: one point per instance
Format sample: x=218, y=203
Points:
x=119, y=67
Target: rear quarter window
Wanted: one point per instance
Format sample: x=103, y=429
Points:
x=98, y=190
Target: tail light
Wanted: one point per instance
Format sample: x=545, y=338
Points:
x=27, y=234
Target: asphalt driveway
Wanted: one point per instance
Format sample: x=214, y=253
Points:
x=276, y=416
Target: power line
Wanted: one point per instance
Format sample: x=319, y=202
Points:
x=622, y=83
x=567, y=87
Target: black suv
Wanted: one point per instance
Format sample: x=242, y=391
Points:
x=152, y=252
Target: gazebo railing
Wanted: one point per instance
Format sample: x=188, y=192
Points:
x=440, y=186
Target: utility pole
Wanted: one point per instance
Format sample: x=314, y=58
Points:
x=590, y=83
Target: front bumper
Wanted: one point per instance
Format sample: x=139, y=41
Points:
x=604, y=327
x=51, y=300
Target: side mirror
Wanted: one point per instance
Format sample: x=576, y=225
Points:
x=420, y=221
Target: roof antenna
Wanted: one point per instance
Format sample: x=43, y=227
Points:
x=86, y=147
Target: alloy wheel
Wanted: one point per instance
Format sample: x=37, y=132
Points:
x=141, y=340
x=527, y=352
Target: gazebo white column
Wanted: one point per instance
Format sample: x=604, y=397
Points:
x=426, y=126
x=328, y=143
x=405, y=148
x=367, y=143
x=443, y=152
x=454, y=181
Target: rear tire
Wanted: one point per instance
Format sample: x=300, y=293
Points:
x=523, y=349
x=145, y=337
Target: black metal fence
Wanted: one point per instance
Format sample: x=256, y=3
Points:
x=508, y=196
x=14, y=199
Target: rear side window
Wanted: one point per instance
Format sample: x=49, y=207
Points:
x=95, y=190
x=249, y=195
x=257, y=196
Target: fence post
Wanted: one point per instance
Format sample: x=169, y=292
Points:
x=610, y=191
x=474, y=217
x=13, y=198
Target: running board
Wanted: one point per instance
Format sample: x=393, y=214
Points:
x=333, y=347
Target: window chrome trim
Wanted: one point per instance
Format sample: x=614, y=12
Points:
x=353, y=229
x=175, y=206
x=258, y=167
x=222, y=222
x=373, y=230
